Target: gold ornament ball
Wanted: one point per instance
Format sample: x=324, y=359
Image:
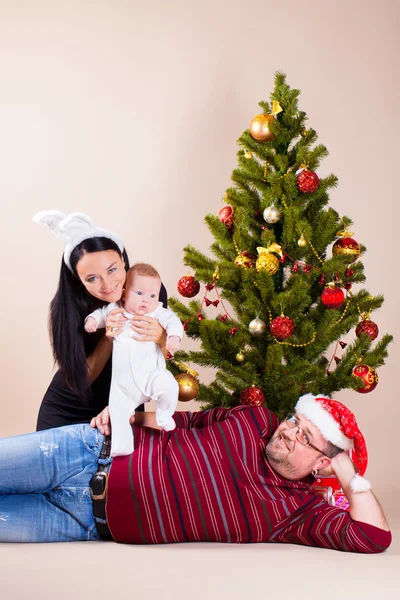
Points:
x=248, y=154
x=267, y=262
x=244, y=260
x=302, y=241
x=257, y=327
x=271, y=214
x=188, y=387
x=259, y=128
x=240, y=357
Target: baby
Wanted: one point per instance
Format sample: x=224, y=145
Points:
x=139, y=371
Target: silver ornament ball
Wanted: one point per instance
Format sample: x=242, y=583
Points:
x=257, y=326
x=271, y=214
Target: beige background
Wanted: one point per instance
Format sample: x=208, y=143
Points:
x=130, y=111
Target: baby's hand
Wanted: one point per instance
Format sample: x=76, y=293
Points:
x=173, y=343
x=91, y=325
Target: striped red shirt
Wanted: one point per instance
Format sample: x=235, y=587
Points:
x=208, y=480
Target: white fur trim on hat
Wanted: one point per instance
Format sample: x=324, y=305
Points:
x=74, y=228
x=359, y=484
x=329, y=428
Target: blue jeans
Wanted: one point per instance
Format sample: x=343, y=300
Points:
x=44, y=485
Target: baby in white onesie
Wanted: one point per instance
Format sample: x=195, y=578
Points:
x=139, y=371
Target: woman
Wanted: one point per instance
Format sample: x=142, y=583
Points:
x=93, y=273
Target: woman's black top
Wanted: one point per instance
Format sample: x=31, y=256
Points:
x=61, y=406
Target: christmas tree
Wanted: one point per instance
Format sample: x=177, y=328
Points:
x=278, y=296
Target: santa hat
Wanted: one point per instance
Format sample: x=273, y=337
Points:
x=73, y=229
x=338, y=426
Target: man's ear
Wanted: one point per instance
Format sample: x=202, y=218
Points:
x=323, y=466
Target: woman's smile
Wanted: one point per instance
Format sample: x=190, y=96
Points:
x=110, y=291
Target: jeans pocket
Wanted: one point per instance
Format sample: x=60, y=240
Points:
x=92, y=439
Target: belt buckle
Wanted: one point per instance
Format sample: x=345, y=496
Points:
x=99, y=479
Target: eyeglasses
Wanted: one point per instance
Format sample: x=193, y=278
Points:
x=301, y=437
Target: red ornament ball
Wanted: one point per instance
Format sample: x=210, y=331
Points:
x=368, y=376
x=252, y=396
x=307, y=181
x=282, y=327
x=368, y=327
x=347, y=248
x=188, y=286
x=332, y=297
x=226, y=216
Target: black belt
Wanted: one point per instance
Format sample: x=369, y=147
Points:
x=98, y=492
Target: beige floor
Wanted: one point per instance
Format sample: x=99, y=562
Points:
x=104, y=570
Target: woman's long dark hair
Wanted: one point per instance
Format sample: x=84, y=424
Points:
x=68, y=309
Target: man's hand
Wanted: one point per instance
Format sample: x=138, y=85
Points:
x=343, y=468
x=363, y=505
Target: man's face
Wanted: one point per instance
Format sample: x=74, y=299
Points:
x=141, y=294
x=288, y=457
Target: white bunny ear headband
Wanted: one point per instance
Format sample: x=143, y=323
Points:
x=73, y=228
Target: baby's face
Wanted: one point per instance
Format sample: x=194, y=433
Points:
x=141, y=294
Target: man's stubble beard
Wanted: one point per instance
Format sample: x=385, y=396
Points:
x=278, y=461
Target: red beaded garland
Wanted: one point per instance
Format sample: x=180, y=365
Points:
x=188, y=286
x=307, y=181
x=332, y=297
x=369, y=377
x=282, y=327
x=252, y=396
x=368, y=327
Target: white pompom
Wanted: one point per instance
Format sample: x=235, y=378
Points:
x=359, y=484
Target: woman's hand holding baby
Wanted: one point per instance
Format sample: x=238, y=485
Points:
x=149, y=330
x=115, y=323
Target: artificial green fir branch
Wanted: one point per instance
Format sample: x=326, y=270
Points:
x=266, y=176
